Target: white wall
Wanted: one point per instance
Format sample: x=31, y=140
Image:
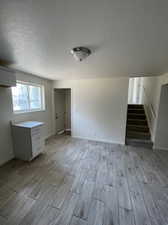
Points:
x=99, y=108
x=6, y=150
x=161, y=136
x=151, y=99
x=6, y=114
x=151, y=96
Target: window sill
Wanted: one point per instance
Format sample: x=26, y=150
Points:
x=28, y=112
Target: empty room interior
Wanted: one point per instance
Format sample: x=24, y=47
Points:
x=83, y=112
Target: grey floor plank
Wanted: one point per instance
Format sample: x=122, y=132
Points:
x=77, y=221
x=80, y=182
x=140, y=211
x=14, y=205
x=84, y=201
x=48, y=217
x=65, y=215
x=20, y=212
x=3, y=221
x=111, y=204
x=62, y=193
x=96, y=214
x=126, y=217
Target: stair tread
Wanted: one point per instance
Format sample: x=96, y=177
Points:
x=138, y=125
x=136, y=128
x=136, y=109
x=136, y=114
x=135, y=106
x=139, y=140
x=135, y=119
x=140, y=108
x=138, y=132
x=137, y=143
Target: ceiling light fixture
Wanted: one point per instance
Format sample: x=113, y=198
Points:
x=80, y=53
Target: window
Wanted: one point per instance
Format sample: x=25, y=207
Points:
x=27, y=97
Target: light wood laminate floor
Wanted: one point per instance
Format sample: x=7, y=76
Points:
x=80, y=182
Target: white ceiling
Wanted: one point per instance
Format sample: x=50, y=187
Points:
x=127, y=37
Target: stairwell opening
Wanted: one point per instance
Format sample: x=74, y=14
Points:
x=137, y=129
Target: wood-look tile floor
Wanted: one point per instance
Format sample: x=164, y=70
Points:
x=80, y=182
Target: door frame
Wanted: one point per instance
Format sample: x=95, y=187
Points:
x=71, y=108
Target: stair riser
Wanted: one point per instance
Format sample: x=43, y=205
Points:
x=137, y=122
x=139, y=144
x=138, y=129
x=135, y=107
x=136, y=111
x=137, y=133
x=138, y=136
x=134, y=116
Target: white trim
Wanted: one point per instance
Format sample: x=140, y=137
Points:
x=49, y=136
x=150, y=114
x=99, y=140
x=29, y=111
x=148, y=120
x=61, y=132
x=4, y=161
x=155, y=148
x=68, y=129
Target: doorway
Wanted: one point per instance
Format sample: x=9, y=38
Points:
x=135, y=90
x=137, y=129
x=62, y=100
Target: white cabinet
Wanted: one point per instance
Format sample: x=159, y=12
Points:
x=28, y=141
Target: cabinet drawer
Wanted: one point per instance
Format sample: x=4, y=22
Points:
x=35, y=138
x=36, y=131
x=37, y=148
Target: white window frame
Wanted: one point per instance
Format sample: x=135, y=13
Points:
x=42, y=98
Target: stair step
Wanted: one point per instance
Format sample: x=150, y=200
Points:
x=138, y=135
x=138, y=111
x=137, y=122
x=134, y=106
x=136, y=116
x=139, y=128
x=139, y=143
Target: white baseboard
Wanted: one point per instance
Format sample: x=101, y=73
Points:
x=4, y=161
x=49, y=136
x=99, y=140
x=61, y=132
x=155, y=148
x=68, y=129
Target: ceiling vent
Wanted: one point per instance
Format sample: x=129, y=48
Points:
x=80, y=53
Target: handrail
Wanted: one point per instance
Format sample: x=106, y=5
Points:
x=150, y=105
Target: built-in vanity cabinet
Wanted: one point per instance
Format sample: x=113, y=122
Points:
x=28, y=141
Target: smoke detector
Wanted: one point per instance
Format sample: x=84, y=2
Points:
x=80, y=53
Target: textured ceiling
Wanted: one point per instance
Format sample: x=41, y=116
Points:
x=127, y=37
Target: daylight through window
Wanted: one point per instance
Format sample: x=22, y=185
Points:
x=27, y=97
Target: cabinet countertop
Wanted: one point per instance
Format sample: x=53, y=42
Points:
x=28, y=124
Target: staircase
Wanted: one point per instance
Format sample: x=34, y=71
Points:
x=137, y=132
